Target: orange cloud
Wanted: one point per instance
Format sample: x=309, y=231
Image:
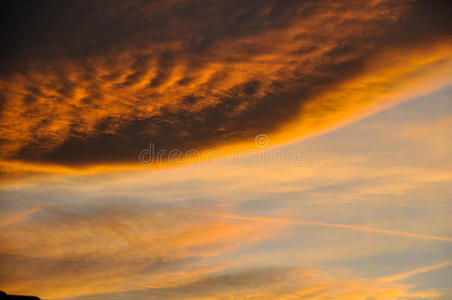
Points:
x=388, y=80
x=195, y=84
x=107, y=251
x=280, y=283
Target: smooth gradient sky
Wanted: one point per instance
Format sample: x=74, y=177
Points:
x=357, y=96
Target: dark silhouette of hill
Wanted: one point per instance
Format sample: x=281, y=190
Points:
x=5, y=296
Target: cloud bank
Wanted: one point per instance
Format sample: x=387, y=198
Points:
x=91, y=83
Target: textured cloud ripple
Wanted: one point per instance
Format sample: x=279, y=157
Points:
x=86, y=82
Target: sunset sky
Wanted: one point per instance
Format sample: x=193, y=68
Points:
x=185, y=149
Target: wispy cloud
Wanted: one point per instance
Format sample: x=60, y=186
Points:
x=279, y=283
x=11, y=217
x=323, y=224
x=131, y=249
x=411, y=273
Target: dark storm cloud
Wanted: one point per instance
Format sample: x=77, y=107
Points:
x=208, y=127
x=110, y=77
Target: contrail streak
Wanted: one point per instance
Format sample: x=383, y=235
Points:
x=323, y=224
x=19, y=217
x=411, y=273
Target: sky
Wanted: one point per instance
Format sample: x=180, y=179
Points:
x=226, y=150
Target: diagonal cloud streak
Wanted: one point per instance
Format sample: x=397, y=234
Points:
x=408, y=274
x=323, y=224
